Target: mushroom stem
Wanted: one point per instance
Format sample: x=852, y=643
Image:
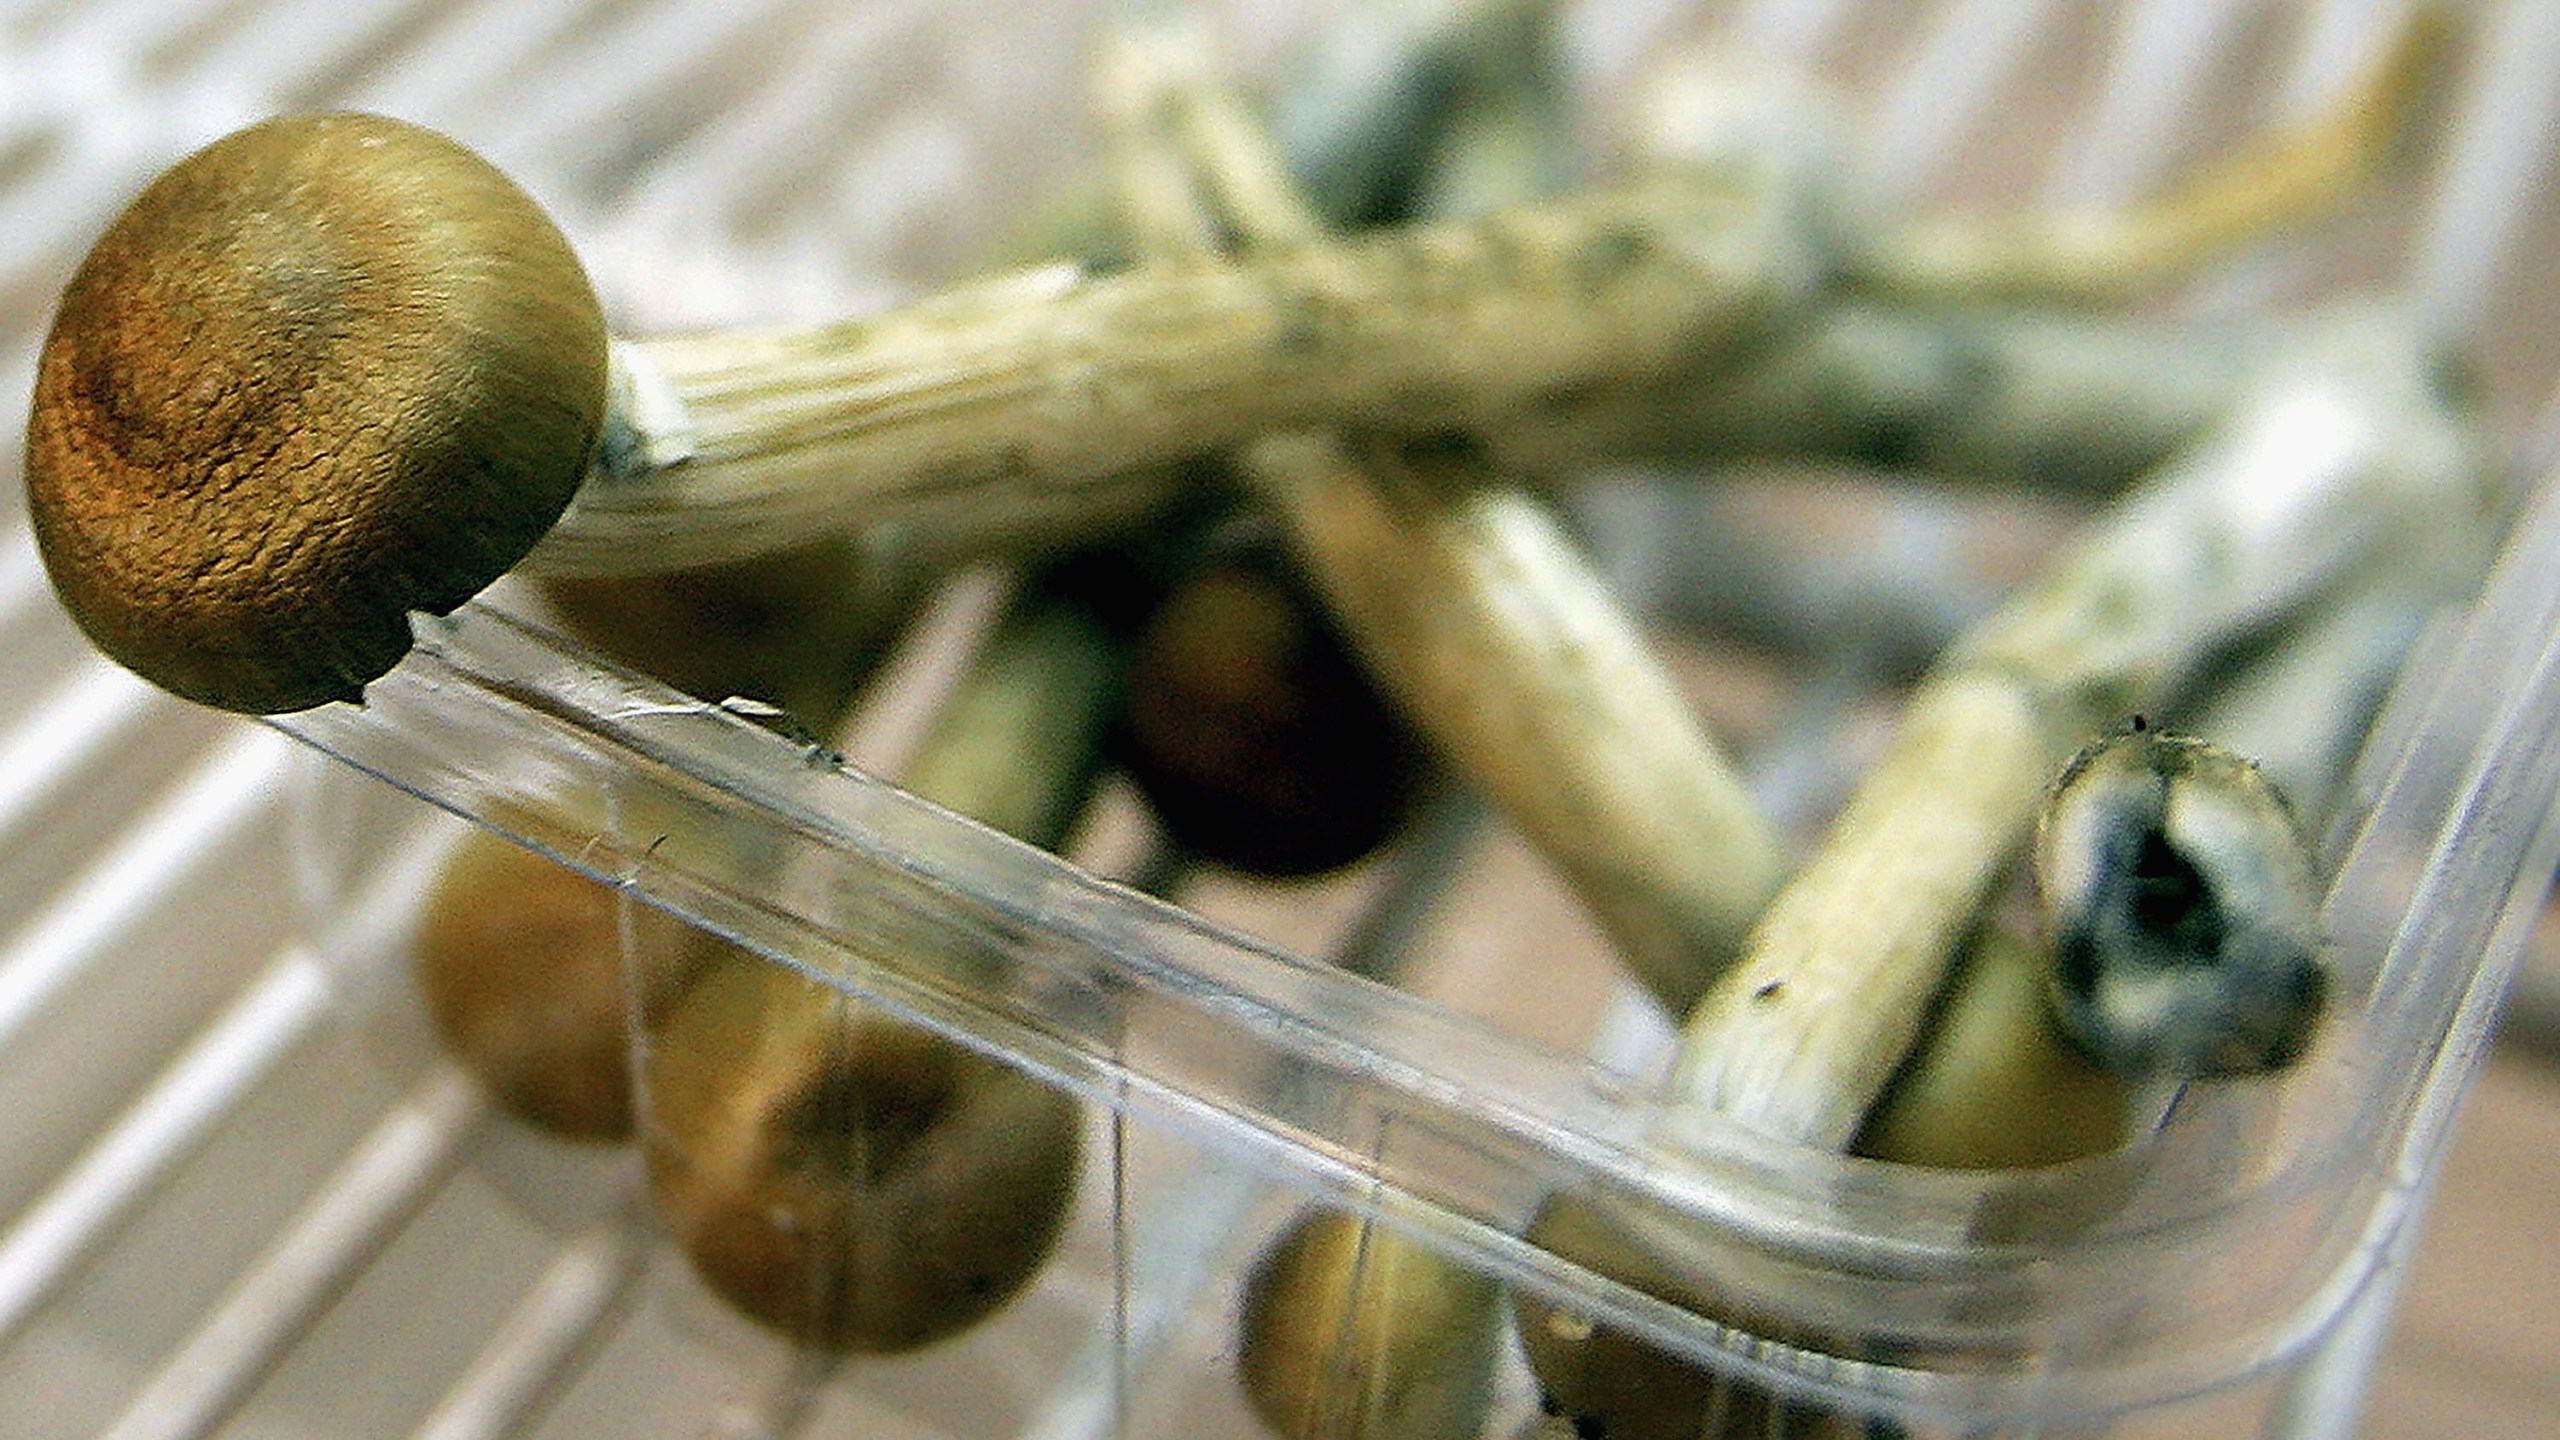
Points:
x=274, y=274
x=2183, y=907
x=1467, y=601
x=2346, y=456
x=2278, y=177
x=1044, y=399
x=1977, y=346
x=1993, y=1086
x=1972, y=392
x=998, y=405
x=1017, y=745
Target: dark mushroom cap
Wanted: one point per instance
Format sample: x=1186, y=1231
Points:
x=1251, y=729
x=323, y=372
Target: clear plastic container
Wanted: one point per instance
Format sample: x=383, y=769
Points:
x=366, y=1247
x=1232, y=1084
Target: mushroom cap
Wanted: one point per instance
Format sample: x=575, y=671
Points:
x=1251, y=729
x=1352, y=1331
x=532, y=974
x=325, y=371
x=842, y=1176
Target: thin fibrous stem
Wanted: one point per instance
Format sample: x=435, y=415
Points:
x=2052, y=400
x=1474, y=609
x=2285, y=174
x=995, y=402
x=1049, y=403
x=1881, y=1005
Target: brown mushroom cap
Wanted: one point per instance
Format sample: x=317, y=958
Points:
x=1251, y=729
x=1351, y=1331
x=325, y=371
x=841, y=1176
x=533, y=975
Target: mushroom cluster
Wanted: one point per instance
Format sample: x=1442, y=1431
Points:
x=1279, y=497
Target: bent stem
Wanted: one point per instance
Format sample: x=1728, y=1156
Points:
x=2338, y=463
x=1988, y=346
x=1466, y=599
x=2281, y=176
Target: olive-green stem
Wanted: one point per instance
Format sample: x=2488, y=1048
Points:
x=1017, y=745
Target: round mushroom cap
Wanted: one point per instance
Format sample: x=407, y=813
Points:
x=1251, y=729
x=842, y=1176
x=323, y=372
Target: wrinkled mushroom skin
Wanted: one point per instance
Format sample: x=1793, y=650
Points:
x=325, y=371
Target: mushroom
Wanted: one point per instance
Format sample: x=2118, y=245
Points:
x=333, y=368
x=2335, y=462
x=1994, y=1085
x=1254, y=735
x=526, y=969
x=1352, y=1331
x=842, y=1176
x=1460, y=590
x=323, y=372
x=2349, y=454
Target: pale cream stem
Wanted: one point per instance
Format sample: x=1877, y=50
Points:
x=1995, y=1085
x=993, y=398
x=1481, y=616
x=1473, y=607
x=2063, y=401
x=1046, y=402
x=2337, y=463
